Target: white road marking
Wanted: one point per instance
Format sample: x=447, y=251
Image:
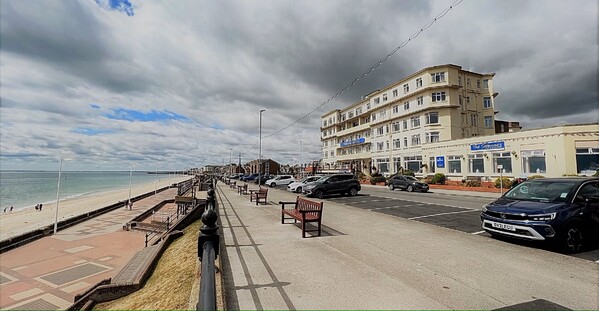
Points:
x=440, y=214
x=460, y=207
x=479, y=232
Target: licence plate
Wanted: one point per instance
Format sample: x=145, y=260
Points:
x=503, y=226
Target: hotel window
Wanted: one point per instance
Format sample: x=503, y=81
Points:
x=413, y=164
x=533, y=162
x=343, y=117
x=419, y=82
x=405, y=125
x=367, y=119
x=406, y=88
x=438, y=97
x=356, y=123
x=332, y=153
x=373, y=117
x=420, y=100
x=326, y=143
x=380, y=130
x=377, y=101
x=468, y=81
x=432, y=137
x=379, y=146
x=385, y=97
x=478, y=84
x=461, y=101
x=405, y=141
x=467, y=100
x=396, y=126
x=396, y=109
x=488, y=122
x=395, y=93
x=406, y=106
x=358, y=111
x=326, y=154
x=476, y=164
x=397, y=143
x=416, y=140
x=368, y=106
x=431, y=164
x=438, y=77
x=324, y=123
x=460, y=80
x=432, y=118
x=505, y=159
x=473, y=119
x=587, y=159
x=487, y=102
x=387, y=143
x=415, y=121
x=382, y=165
x=350, y=114
x=485, y=83
x=382, y=114
x=454, y=164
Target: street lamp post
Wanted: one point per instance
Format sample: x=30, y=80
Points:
x=301, y=159
x=130, y=174
x=230, y=161
x=57, y=197
x=260, y=152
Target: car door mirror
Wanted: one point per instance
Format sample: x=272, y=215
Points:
x=591, y=199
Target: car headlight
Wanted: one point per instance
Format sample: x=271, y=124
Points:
x=309, y=187
x=484, y=208
x=542, y=217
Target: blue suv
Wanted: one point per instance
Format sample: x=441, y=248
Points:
x=561, y=210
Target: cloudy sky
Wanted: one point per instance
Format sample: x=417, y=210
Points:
x=175, y=84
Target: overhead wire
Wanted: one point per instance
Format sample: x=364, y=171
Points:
x=363, y=75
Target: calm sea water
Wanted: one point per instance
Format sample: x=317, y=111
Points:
x=23, y=189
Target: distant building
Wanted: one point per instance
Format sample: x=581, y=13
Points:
x=268, y=167
x=507, y=126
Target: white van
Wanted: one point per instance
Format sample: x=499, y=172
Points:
x=280, y=180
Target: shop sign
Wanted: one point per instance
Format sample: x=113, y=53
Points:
x=440, y=161
x=360, y=140
x=488, y=146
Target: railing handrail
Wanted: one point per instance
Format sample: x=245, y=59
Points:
x=208, y=245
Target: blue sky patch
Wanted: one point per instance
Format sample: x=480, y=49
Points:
x=153, y=115
x=123, y=6
x=91, y=131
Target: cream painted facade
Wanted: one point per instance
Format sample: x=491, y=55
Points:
x=389, y=127
x=551, y=152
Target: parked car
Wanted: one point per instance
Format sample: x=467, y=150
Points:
x=333, y=184
x=408, y=183
x=564, y=211
x=298, y=186
x=236, y=175
x=250, y=177
x=263, y=179
x=280, y=180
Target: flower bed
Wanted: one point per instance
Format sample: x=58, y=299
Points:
x=483, y=188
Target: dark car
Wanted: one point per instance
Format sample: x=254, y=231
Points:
x=408, y=183
x=564, y=211
x=263, y=179
x=333, y=184
x=249, y=177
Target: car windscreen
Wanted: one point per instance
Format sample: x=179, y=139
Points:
x=411, y=178
x=542, y=191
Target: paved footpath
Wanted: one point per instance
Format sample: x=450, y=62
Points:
x=47, y=274
x=366, y=260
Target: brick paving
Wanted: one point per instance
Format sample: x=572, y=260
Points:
x=48, y=273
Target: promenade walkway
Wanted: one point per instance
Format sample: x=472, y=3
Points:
x=48, y=273
x=368, y=260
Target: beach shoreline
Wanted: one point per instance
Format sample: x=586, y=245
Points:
x=28, y=219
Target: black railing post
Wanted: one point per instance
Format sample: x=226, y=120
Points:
x=208, y=245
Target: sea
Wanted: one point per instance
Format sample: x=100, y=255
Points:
x=23, y=189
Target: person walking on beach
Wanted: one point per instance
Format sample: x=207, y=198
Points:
x=5, y=209
x=130, y=205
x=40, y=207
x=11, y=209
x=37, y=207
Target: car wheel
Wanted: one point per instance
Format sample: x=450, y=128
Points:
x=353, y=192
x=298, y=190
x=410, y=188
x=272, y=184
x=572, y=238
x=391, y=187
x=319, y=194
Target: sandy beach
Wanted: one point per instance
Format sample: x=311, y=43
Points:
x=22, y=221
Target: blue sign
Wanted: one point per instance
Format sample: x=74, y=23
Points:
x=440, y=161
x=492, y=145
x=352, y=142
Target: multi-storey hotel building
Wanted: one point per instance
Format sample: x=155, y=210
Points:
x=385, y=131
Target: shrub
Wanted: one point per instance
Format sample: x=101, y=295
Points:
x=507, y=183
x=376, y=174
x=596, y=174
x=536, y=176
x=439, y=179
x=473, y=183
x=569, y=174
x=377, y=179
x=409, y=173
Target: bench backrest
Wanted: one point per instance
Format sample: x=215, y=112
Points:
x=262, y=191
x=307, y=205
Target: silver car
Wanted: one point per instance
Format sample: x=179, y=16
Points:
x=298, y=186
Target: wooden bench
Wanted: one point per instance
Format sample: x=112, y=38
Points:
x=242, y=189
x=233, y=185
x=259, y=194
x=304, y=211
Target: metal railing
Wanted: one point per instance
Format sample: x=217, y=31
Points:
x=208, y=245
